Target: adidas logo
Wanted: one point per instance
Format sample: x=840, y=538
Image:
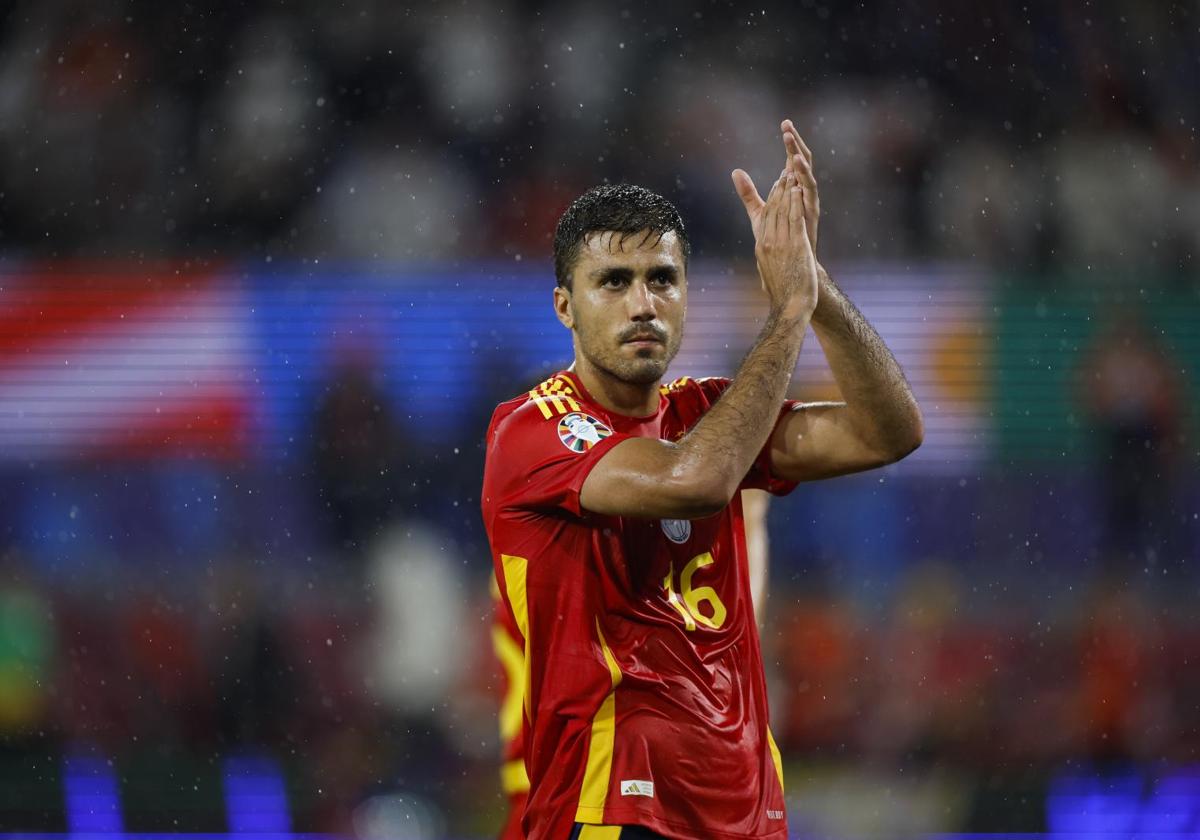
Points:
x=637, y=787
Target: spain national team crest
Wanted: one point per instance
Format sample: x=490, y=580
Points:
x=677, y=530
x=580, y=432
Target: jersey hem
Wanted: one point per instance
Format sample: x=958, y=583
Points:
x=617, y=816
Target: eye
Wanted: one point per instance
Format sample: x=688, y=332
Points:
x=662, y=279
x=614, y=281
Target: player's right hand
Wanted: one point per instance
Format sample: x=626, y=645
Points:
x=782, y=247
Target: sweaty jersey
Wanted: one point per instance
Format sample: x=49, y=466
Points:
x=644, y=696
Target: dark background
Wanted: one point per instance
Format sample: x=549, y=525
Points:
x=266, y=268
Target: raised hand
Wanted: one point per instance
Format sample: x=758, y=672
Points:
x=786, y=262
x=798, y=161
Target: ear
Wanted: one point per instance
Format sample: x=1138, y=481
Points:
x=562, y=307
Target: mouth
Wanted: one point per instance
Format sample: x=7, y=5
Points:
x=643, y=345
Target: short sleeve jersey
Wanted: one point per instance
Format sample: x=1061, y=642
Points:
x=644, y=696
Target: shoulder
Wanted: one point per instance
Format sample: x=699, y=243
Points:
x=695, y=393
x=547, y=401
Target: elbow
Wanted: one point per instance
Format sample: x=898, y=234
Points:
x=909, y=436
x=917, y=430
x=697, y=496
x=896, y=441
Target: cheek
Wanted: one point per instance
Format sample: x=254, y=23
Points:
x=674, y=309
x=588, y=323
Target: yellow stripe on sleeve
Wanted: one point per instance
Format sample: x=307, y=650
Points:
x=594, y=793
x=600, y=832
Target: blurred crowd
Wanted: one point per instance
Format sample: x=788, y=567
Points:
x=346, y=636
x=338, y=621
x=1018, y=137
x=395, y=693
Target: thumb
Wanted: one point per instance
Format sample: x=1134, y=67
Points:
x=747, y=193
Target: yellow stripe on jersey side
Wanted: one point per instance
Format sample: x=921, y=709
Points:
x=600, y=832
x=775, y=757
x=513, y=777
x=512, y=658
x=594, y=792
x=514, y=585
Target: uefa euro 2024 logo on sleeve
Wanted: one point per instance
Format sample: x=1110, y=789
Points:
x=580, y=432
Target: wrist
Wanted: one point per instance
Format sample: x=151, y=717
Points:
x=793, y=312
x=827, y=297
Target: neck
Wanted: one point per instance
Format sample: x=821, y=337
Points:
x=614, y=394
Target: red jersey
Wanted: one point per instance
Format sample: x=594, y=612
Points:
x=645, y=701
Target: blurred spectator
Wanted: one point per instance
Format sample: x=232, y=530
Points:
x=258, y=137
x=1120, y=682
x=251, y=674
x=418, y=594
x=360, y=466
x=1132, y=394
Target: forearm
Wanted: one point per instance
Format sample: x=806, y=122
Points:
x=879, y=401
x=727, y=439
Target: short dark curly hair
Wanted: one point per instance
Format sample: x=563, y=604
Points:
x=624, y=208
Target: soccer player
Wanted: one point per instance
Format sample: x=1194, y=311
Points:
x=612, y=508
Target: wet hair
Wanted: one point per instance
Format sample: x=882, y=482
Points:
x=622, y=208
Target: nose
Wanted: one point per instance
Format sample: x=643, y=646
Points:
x=640, y=302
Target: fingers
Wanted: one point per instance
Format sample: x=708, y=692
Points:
x=792, y=146
x=748, y=193
x=796, y=209
x=783, y=213
x=804, y=172
x=794, y=141
x=800, y=162
x=777, y=188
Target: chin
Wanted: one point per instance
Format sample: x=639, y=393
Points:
x=646, y=373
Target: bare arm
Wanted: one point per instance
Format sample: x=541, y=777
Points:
x=698, y=476
x=880, y=421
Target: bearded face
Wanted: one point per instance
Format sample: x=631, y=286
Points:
x=627, y=303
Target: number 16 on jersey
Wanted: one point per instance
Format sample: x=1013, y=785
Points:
x=688, y=606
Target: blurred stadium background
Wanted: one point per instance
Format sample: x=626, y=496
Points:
x=265, y=269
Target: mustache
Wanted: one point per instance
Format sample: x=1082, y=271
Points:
x=642, y=332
